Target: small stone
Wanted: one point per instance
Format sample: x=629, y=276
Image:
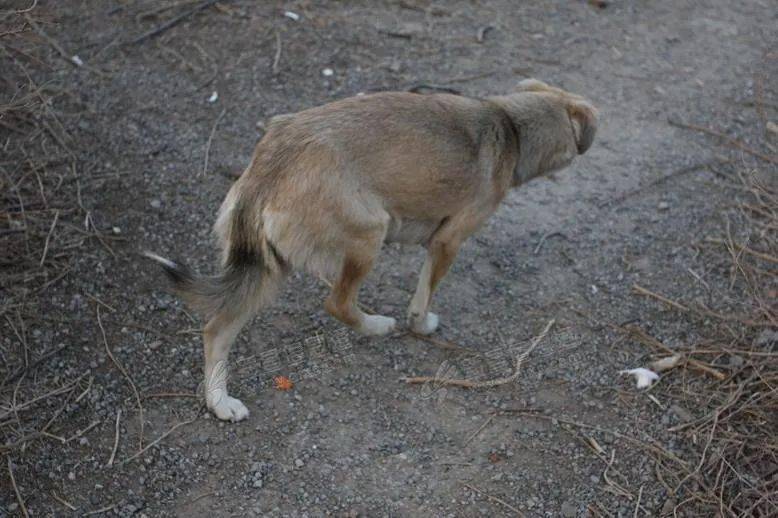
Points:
x=663, y=205
x=569, y=510
x=766, y=337
x=299, y=463
x=155, y=204
x=327, y=72
x=736, y=361
x=682, y=414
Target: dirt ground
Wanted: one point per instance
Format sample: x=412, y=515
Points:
x=158, y=127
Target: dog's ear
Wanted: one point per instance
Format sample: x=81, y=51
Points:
x=584, y=119
x=532, y=85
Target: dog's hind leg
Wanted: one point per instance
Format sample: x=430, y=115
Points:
x=218, y=336
x=342, y=302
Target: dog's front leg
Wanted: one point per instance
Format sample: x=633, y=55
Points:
x=441, y=251
x=440, y=255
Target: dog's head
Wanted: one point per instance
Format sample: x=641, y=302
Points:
x=554, y=126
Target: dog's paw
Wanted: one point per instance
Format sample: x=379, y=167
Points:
x=377, y=325
x=426, y=325
x=229, y=409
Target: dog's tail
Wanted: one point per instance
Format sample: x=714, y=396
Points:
x=248, y=278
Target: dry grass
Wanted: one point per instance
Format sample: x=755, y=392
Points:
x=731, y=466
x=44, y=225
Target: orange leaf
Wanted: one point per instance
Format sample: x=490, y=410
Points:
x=283, y=383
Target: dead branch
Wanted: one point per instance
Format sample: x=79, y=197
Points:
x=126, y=376
x=648, y=293
x=115, y=440
x=173, y=22
x=728, y=140
x=495, y=499
x=464, y=383
x=157, y=440
x=210, y=140
x=18, y=493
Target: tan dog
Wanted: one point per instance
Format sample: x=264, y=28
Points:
x=327, y=186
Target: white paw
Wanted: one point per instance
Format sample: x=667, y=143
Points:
x=228, y=408
x=377, y=325
x=426, y=325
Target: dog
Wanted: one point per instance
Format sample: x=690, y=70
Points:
x=327, y=186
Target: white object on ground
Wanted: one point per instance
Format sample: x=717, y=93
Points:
x=292, y=15
x=214, y=96
x=643, y=377
x=327, y=72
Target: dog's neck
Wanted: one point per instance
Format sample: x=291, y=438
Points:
x=519, y=110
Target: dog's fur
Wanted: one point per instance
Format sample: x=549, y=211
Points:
x=327, y=186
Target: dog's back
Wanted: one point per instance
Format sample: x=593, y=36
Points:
x=324, y=175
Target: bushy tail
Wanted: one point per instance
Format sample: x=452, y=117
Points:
x=247, y=279
x=209, y=295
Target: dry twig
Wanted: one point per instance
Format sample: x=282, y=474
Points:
x=465, y=383
x=494, y=499
x=126, y=376
x=157, y=440
x=18, y=493
x=115, y=440
x=156, y=31
x=277, y=57
x=210, y=140
x=648, y=293
x=728, y=140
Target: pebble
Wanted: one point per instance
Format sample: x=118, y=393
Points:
x=569, y=510
x=681, y=413
x=766, y=337
x=667, y=507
